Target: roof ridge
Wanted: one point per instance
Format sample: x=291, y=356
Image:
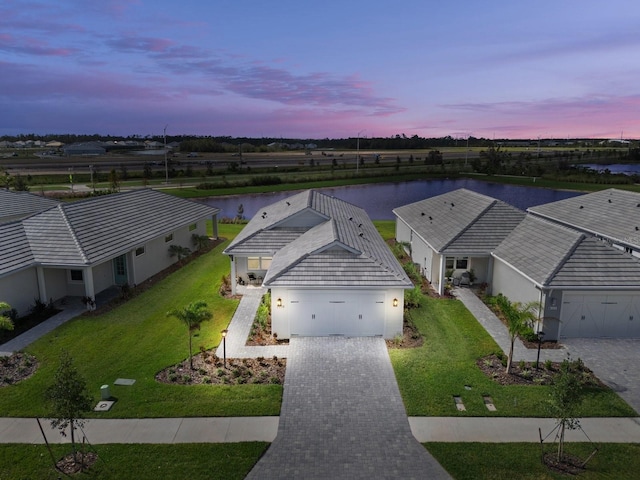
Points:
x=66, y=221
x=565, y=258
x=469, y=225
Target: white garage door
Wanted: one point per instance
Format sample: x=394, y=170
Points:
x=336, y=312
x=600, y=314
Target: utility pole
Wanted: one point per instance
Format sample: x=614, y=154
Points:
x=358, y=151
x=166, y=166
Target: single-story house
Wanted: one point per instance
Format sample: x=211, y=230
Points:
x=585, y=287
x=85, y=247
x=455, y=232
x=576, y=258
x=329, y=270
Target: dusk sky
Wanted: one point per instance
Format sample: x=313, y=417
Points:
x=298, y=69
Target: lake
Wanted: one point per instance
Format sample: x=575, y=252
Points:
x=379, y=199
x=626, y=168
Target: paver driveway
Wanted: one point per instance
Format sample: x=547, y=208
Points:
x=342, y=417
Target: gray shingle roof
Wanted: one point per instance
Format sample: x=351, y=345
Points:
x=461, y=221
x=91, y=231
x=15, y=205
x=338, y=245
x=15, y=253
x=612, y=213
x=537, y=248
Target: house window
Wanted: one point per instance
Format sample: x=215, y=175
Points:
x=258, y=263
x=193, y=226
x=76, y=275
x=456, y=263
x=139, y=251
x=168, y=238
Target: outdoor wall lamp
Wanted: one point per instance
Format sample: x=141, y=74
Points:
x=395, y=302
x=279, y=303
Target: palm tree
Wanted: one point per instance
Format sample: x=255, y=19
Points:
x=192, y=316
x=519, y=317
x=5, y=320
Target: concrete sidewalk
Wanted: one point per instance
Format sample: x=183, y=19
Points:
x=265, y=429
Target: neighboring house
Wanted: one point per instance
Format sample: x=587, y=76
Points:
x=455, y=232
x=85, y=247
x=586, y=288
x=91, y=148
x=612, y=215
x=576, y=258
x=17, y=205
x=329, y=271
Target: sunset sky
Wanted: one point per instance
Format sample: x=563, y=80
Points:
x=336, y=69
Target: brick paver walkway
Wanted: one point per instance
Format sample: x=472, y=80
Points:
x=343, y=418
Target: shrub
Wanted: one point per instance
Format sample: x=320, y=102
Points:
x=262, y=315
x=413, y=298
x=206, y=379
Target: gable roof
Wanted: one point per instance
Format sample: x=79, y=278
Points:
x=555, y=256
x=461, y=221
x=339, y=246
x=613, y=214
x=97, y=229
x=16, y=205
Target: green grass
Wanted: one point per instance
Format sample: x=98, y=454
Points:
x=508, y=461
x=137, y=462
x=429, y=376
x=137, y=340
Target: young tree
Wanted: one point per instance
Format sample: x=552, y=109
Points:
x=519, y=317
x=5, y=321
x=565, y=396
x=199, y=241
x=192, y=316
x=68, y=397
x=179, y=251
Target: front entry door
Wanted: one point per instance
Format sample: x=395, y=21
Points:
x=120, y=270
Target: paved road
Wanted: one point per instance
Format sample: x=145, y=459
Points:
x=342, y=417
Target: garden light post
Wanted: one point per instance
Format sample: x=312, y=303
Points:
x=540, y=337
x=224, y=347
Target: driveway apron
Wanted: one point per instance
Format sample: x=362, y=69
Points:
x=342, y=417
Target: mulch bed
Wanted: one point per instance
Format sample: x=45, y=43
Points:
x=568, y=465
x=262, y=336
x=75, y=463
x=16, y=368
x=411, y=336
x=208, y=368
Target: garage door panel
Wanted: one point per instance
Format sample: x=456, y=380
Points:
x=596, y=314
x=336, y=313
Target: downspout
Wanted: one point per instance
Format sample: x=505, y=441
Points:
x=441, y=276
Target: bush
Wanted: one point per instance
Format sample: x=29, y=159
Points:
x=262, y=315
x=413, y=298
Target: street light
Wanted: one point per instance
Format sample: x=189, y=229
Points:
x=540, y=337
x=224, y=347
x=358, y=151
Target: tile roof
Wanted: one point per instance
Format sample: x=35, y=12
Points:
x=559, y=257
x=461, y=221
x=611, y=213
x=15, y=205
x=339, y=245
x=15, y=253
x=97, y=229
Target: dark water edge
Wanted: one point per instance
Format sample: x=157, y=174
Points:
x=379, y=199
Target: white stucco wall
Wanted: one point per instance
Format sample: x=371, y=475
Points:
x=56, y=280
x=512, y=284
x=103, y=276
x=20, y=289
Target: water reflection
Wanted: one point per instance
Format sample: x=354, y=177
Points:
x=380, y=199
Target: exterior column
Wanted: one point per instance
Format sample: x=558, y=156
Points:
x=89, y=289
x=233, y=275
x=441, y=275
x=214, y=218
x=42, y=285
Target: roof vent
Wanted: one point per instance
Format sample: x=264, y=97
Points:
x=422, y=213
x=430, y=218
x=360, y=234
x=637, y=229
x=288, y=204
x=581, y=207
x=452, y=204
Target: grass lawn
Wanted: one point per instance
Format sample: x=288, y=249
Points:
x=506, y=461
x=194, y=461
x=429, y=376
x=136, y=340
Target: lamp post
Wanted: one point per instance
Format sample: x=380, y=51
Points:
x=358, y=151
x=166, y=167
x=540, y=337
x=224, y=347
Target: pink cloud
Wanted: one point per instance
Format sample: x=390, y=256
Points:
x=131, y=44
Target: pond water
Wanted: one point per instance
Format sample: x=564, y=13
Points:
x=626, y=168
x=379, y=199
